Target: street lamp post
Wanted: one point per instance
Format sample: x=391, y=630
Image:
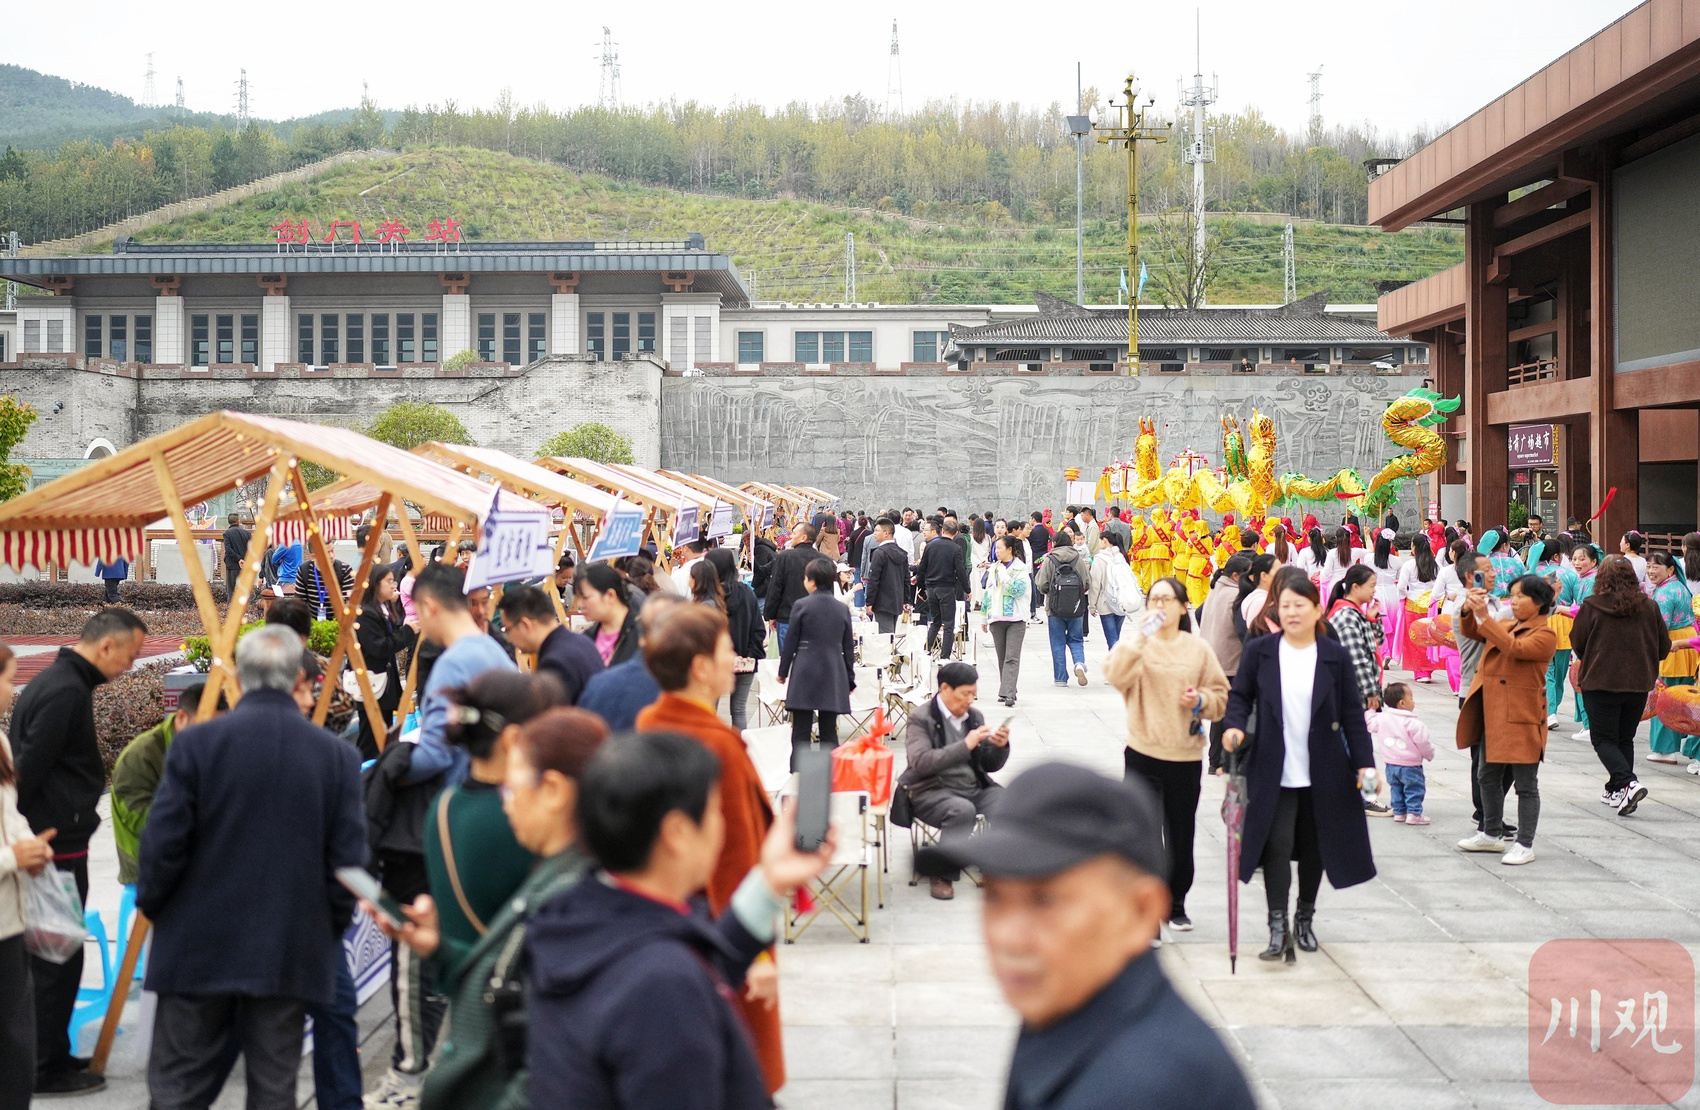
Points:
x=1080, y=127
x=1129, y=130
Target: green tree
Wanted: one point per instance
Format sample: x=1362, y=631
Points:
x=407, y=424
x=12, y=165
x=593, y=441
x=15, y=419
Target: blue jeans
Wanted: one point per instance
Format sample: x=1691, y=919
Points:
x=1069, y=631
x=1409, y=788
x=1112, y=623
x=779, y=628
x=337, y=1081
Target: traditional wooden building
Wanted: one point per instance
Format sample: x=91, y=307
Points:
x=1573, y=325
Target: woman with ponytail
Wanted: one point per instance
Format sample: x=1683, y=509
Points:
x=1355, y=618
x=1414, y=598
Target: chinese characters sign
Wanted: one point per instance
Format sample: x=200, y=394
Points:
x=1531, y=445
x=347, y=232
x=513, y=545
x=621, y=534
x=1612, y=1022
x=687, y=524
x=720, y=521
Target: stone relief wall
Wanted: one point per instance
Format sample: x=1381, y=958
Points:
x=1003, y=442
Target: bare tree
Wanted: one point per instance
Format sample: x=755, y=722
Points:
x=1180, y=273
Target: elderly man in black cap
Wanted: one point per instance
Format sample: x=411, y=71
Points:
x=1075, y=895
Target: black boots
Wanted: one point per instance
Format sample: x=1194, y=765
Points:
x=1302, y=930
x=1280, y=939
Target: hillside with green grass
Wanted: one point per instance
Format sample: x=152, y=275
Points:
x=795, y=250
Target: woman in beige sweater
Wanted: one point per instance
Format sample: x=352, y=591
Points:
x=1172, y=684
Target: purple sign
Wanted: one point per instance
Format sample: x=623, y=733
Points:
x=1530, y=445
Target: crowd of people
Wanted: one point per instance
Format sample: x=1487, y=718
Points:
x=587, y=872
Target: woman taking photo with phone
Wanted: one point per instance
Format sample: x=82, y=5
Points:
x=1171, y=684
x=1305, y=767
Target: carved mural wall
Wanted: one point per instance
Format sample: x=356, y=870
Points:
x=1003, y=442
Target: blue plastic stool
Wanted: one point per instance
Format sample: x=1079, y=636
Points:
x=93, y=1002
x=126, y=914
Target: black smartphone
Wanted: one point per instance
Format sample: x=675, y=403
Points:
x=1481, y=581
x=814, y=797
x=363, y=885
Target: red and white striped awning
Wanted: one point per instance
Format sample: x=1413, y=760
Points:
x=87, y=546
x=294, y=530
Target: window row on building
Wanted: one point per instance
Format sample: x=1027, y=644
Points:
x=817, y=347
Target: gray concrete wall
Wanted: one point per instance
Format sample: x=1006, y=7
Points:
x=1002, y=442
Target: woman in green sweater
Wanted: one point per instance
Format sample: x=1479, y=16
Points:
x=480, y=1057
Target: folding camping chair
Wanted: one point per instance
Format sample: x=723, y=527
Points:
x=923, y=835
x=770, y=751
x=842, y=889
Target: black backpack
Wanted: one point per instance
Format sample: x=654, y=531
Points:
x=268, y=567
x=1066, y=595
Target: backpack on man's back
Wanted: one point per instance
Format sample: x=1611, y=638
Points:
x=1065, y=597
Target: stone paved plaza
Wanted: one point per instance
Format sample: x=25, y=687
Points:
x=1417, y=998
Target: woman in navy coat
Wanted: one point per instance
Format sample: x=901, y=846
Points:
x=819, y=656
x=1302, y=798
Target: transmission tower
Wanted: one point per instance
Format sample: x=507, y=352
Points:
x=1315, y=106
x=242, y=98
x=1289, y=267
x=609, y=97
x=894, y=78
x=850, y=267
x=180, y=96
x=147, y=88
x=1199, y=152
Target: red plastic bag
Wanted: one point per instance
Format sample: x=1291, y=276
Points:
x=865, y=763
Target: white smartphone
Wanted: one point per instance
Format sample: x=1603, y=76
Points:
x=363, y=885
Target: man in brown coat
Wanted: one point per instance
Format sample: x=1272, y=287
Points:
x=1503, y=721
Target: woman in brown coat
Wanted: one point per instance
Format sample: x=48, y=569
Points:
x=1506, y=711
x=689, y=652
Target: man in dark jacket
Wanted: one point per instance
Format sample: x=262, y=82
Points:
x=60, y=779
x=761, y=563
x=533, y=626
x=887, y=583
x=952, y=753
x=1038, y=543
x=256, y=812
x=630, y=982
x=786, y=584
x=1075, y=891
x=943, y=573
x=236, y=540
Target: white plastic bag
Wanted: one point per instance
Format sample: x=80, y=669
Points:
x=53, y=915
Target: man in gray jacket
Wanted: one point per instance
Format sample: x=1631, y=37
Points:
x=952, y=753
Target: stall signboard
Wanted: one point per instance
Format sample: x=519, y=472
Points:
x=719, y=521
x=512, y=545
x=1530, y=445
x=687, y=524
x=621, y=534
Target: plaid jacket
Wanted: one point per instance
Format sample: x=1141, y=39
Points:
x=1360, y=636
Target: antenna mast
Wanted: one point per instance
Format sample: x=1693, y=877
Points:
x=1200, y=151
x=1315, y=106
x=894, y=78
x=242, y=98
x=609, y=97
x=147, y=89
x=180, y=96
x=850, y=267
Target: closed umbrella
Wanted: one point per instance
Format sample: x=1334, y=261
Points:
x=1233, y=819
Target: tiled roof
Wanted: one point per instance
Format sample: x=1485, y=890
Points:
x=1162, y=325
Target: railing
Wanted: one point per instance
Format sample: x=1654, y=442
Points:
x=1530, y=373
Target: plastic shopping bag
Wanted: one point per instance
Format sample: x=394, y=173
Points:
x=53, y=916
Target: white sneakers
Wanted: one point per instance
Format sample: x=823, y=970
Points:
x=1693, y=768
x=1612, y=798
x=1583, y=735
x=1517, y=855
x=1482, y=842
x=1552, y=721
x=1662, y=757
x=1632, y=795
x=395, y=1092
x=1080, y=673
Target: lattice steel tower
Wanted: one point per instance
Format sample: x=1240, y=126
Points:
x=242, y=98
x=609, y=96
x=894, y=78
x=1200, y=151
x=1315, y=106
x=147, y=89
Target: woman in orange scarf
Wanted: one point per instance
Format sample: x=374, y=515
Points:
x=689, y=651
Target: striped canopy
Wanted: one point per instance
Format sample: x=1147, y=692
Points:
x=100, y=510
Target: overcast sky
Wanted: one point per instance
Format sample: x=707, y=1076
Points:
x=1399, y=65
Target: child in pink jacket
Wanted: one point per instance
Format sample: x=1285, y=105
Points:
x=1404, y=744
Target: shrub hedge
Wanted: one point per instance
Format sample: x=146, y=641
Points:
x=89, y=595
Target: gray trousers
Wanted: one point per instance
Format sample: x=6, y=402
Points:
x=887, y=622
x=1469, y=658
x=189, y=1060
x=1525, y=776
x=1007, y=638
x=953, y=814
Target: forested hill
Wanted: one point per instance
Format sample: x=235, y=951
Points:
x=795, y=250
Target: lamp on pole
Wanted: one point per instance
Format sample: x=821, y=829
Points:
x=1079, y=127
x=1130, y=130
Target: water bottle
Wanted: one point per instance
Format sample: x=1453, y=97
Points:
x=1152, y=622
x=1370, y=786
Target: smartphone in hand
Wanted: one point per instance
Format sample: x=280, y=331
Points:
x=814, y=797
x=362, y=884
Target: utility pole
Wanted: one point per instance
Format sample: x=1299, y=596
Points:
x=1079, y=126
x=610, y=59
x=11, y=287
x=1289, y=267
x=850, y=267
x=894, y=79
x=1199, y=152
x=242, y=98
x=1130, y=130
